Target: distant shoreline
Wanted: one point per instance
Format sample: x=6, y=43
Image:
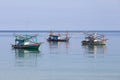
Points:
x=60, y=30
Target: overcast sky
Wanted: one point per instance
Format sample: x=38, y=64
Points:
x=59, y=14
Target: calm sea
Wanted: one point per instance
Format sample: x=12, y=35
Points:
x=60, y=61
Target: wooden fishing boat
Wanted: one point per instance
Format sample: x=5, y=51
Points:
x=26, y=42
x=30, y=46
x=58, y=37
x=94, y=39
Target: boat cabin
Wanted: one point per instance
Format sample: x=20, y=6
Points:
x=54, y=37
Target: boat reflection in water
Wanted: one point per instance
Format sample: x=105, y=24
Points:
x=58, y=44
x=58, y=47
x=94, y=50
x=26, y=57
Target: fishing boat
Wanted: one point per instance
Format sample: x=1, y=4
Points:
x=94, y=39
x=58, y=37
x=26, y=42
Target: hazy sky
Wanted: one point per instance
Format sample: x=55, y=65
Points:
x=60, y=14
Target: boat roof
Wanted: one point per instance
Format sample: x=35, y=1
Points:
x=24, y=37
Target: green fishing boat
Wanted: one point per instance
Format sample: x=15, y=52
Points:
x=26, y=42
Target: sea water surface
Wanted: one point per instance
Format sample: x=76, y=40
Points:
x=60, y=60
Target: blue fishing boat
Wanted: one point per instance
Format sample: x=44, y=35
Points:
x=58, y=37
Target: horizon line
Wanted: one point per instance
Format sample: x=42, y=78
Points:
x=60, y=30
